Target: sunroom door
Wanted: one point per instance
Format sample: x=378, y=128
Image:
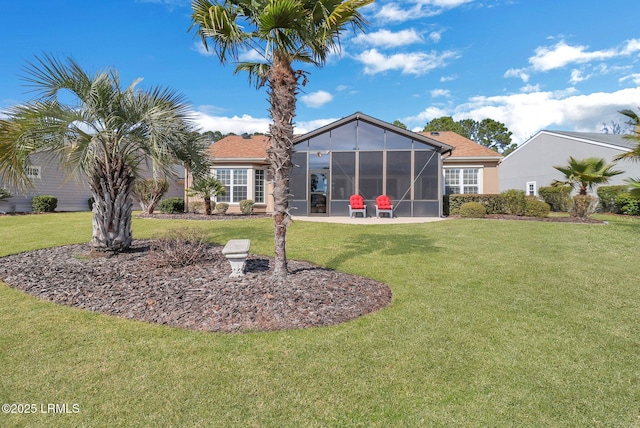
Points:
x=318, y=192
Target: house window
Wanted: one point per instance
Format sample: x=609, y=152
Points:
x=461, y=181
x=258, y=196
x=33, y=172
x=531, y=188
x=236, y=181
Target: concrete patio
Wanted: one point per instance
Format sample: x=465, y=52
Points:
x=367, y=220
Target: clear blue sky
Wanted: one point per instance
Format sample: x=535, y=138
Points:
x=531, y=64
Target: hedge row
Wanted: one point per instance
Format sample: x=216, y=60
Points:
x=512, y=202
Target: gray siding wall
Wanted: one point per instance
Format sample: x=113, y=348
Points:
x=535, y=160
x=73, y=194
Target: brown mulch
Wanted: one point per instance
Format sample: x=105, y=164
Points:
x=198, y=297
x=546, y=219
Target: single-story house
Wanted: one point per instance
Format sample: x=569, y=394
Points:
x=73, y=193
x=363, y=155
x=531, y=165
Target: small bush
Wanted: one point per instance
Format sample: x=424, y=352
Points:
x=196, y=207
x=473, y=210
x=44, y=203
x=583, y=206
x=608, y=196
x=90, y=202
x=222, y=207
x=558, y=197
x=514, y=201
x=536, y=208
x=4, y=193
x=246, y=206
x=171, y=205
x=627, y=204
x=179, y=248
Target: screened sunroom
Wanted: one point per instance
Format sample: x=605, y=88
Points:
x=363, y=155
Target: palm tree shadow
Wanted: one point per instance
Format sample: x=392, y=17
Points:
x=392, y=244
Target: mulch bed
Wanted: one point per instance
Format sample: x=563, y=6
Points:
x=546, y=219
x=135, y=285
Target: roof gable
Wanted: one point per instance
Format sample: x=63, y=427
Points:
x=438, y=145
x=613, y=141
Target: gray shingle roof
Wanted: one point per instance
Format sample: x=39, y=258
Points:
x=612, y=139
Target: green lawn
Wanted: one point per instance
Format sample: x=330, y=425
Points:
x=493, y=323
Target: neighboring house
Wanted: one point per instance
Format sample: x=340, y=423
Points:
x=241, y=164
x=531, y=165
x=73, y=193
x=471, y=168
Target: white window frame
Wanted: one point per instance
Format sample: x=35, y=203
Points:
x=460, y=182
x=251, y=176
x=34, y=172
x=531, y=185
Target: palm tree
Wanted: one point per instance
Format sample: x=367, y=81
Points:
x=585, y=174
x=281, y=32
x=106, y=134
x=207, y=188
x=633, y=155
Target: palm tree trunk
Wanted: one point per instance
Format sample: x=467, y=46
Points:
x=112, y=189
x=207, y=205
x=282, y=97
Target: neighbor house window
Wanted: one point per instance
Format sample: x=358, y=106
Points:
x=461, y=181
x=33, y=171
x=531, y=188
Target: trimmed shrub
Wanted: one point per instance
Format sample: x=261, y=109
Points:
x=171, y=206
x=221, y=208
x=44, y=203
x=90, y=202
x=514, y=201
x=583, y=206
x=627, y=204
x=608, y=196
x=536, y=208
x=197, y=207
x=473, y=210
x=246, y=206
x=491, y=202
x=558, y=197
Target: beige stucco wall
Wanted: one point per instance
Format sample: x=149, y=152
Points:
x=489, y=168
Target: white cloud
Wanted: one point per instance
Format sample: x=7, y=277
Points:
x=576, y=76
x=448, y=78
x=517, y=72
x=198, y=46
x=245, y=123
x=235, y=124
x=417, y=63
x=316, y=99
x=527, y=113
x=634, y=78
x=399, y=12
x=435, y=93
x=436, y=36
x=387, y=39
x=530, y=88
x=561, y=54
